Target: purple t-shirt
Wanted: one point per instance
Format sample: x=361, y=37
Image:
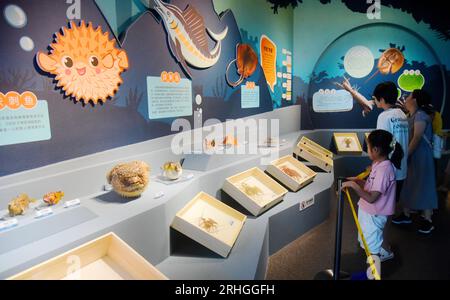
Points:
x=382, y=180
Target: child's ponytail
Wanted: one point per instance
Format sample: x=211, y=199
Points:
x=388, y=146
x=397, y=155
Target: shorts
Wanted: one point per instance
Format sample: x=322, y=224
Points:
x=372, y=227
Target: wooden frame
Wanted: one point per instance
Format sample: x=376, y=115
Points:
x=314, y=153
x=105, y=258
x=210, y=222
x=270, y=192
x=347, y=143
x=278, y=170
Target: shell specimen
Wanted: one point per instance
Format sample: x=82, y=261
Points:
x=19, y=205
x=53, y=198
x=246, y=61
x=210, y=144
x=130, y=179
x=291, y=173
x=172, y=170
x=86, y=63
x=251, y=190
x=230, y=141
x=208, y=224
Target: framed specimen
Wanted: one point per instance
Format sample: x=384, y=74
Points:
x=291, y=172
x=315, y=154
x=254, y=190
x=347, y=143
x=210, y=222
x=105, y=258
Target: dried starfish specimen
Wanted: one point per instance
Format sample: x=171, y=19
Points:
x=129, y=180
x=19, y=205
x=53, y=198
x=291, y=173
x=208, y=224
x=251, y=190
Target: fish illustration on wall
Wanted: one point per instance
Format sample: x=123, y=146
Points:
x=86, y=64
x=186, y=33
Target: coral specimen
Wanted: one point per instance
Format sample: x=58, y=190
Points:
x=53, y=198
x=19, y=205
x=130, y=179
x=347, y=142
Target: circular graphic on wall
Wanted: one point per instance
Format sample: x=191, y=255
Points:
x=359, y=61
x=366, y=56
x=15, y=16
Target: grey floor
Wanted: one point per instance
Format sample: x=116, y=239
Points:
x=417, y=257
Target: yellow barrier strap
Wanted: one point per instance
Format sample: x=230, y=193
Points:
x=366, y=247
x=364, y=174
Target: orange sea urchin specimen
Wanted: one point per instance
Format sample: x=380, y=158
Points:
x=86, y=63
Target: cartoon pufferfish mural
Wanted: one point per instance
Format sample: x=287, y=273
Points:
x=86, y=63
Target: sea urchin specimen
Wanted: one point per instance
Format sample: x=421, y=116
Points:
x=130, y=179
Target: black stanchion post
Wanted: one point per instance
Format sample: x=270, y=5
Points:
x=336, y=273
x=338, y=236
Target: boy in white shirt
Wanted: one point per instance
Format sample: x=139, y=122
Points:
x=392, y=119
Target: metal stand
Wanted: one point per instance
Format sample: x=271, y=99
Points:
x=336, y=273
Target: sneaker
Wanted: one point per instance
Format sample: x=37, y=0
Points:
x=386, y=255
x=426, y=227
x=402, y=219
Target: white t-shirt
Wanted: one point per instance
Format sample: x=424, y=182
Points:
x=395, y=121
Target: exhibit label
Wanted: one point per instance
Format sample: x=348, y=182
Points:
x=269, y=61
x=20, y=124
x=169, y=96
x=8, y=224
x=249, y=96
x=44, y=212
x=306, y=204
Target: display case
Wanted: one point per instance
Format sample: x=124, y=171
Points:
x=347, y=143
x=105, y=258
x=210, y=222
x=254, y=190
x=291, y=172
x=314, y=153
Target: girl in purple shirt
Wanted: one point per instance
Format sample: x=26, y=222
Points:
x=377, y=193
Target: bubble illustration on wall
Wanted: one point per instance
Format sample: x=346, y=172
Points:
x=15, y=16
x=26, y=43
x=411, y=80
x=359, y=61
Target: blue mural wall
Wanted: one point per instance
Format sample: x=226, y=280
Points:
x=329, y=40
x=325, y=32
x=78, y=128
